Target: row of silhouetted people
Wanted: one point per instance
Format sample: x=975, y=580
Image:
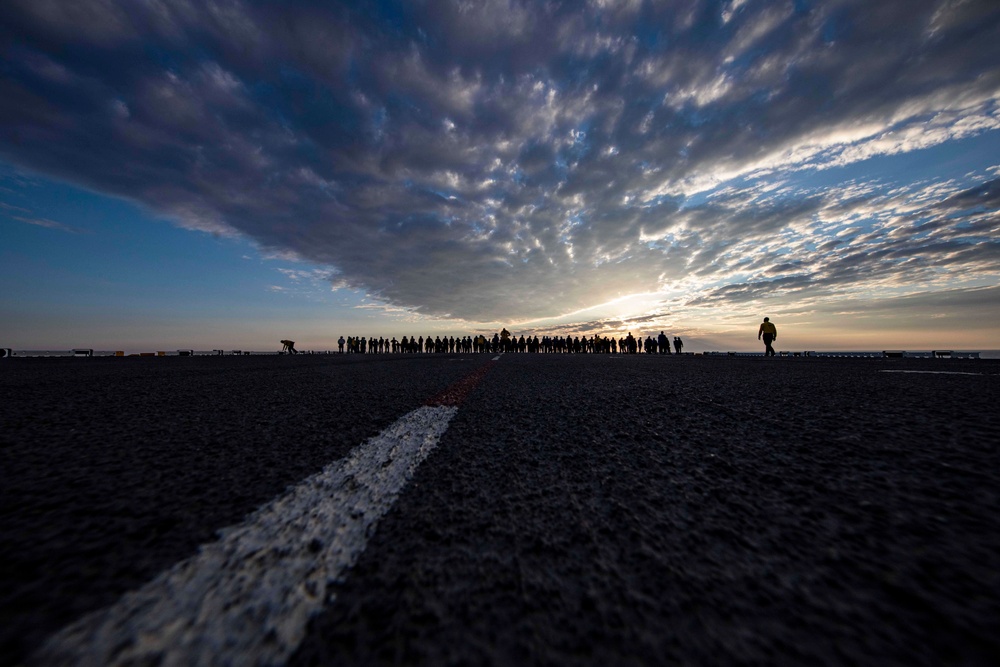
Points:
x=506, y=342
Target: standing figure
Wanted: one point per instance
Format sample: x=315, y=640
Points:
x=678, y=344
x=770, y=334
x=340, y=345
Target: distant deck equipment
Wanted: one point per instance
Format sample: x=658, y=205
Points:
x=884, y=354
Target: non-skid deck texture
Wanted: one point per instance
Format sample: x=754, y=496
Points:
x=578, y=510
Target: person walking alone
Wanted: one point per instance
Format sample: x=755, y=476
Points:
x=770, y=334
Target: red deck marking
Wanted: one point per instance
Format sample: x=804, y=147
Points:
x=456, y=393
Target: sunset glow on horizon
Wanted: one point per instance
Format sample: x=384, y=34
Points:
x=225, y=175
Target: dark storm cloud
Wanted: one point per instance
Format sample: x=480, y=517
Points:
x=503, y=159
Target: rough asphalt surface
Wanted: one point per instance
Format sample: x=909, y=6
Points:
x=582, y=510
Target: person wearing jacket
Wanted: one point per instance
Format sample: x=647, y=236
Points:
x=770, y=334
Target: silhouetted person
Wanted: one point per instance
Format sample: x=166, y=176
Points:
x=289, y=347
x=340, y=344
x=678, y=344
x=770, y=334
x=663, y=343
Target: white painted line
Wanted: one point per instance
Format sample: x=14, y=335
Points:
x=246, y=599
x=932, y=372
x=497, y=358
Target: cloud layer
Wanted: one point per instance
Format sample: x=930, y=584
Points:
x=501, y=160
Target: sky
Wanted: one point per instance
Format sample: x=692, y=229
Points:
x=222, y=174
